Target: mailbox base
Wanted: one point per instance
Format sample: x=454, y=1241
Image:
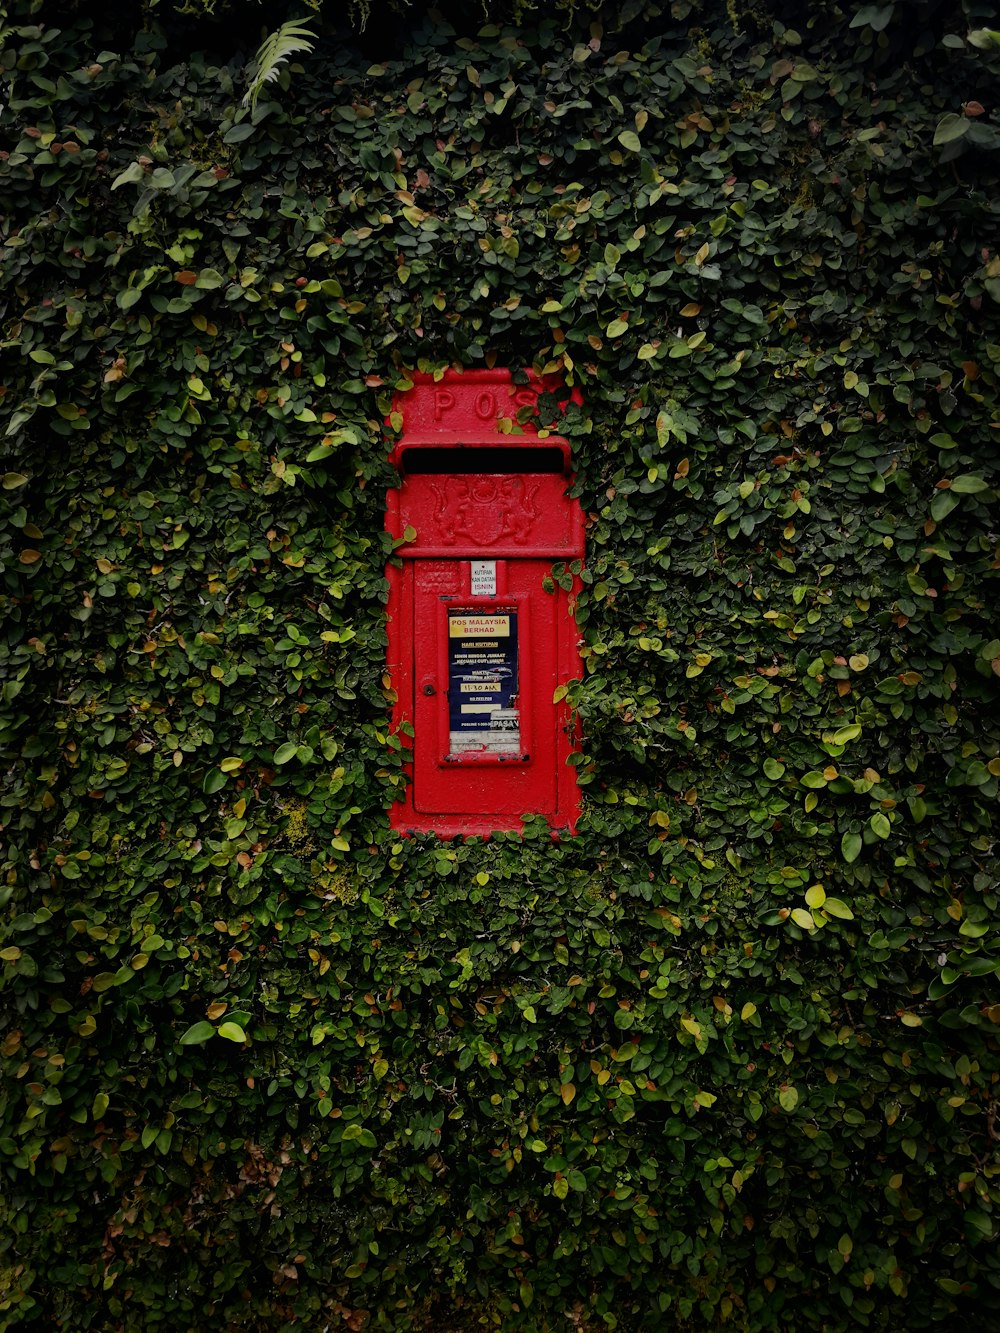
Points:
x=465, y=826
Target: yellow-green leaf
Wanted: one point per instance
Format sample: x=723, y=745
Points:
x=838, y=908
x=788, y=1097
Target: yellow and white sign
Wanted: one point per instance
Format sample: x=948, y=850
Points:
x=478, y=627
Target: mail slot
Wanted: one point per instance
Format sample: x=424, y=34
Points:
x=480, y=636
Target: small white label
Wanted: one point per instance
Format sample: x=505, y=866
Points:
x=484, y=578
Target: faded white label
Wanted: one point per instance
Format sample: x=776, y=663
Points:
x=484, y=578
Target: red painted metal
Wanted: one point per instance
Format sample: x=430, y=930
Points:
x=477, y=646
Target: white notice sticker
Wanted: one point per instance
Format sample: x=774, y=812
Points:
x=484, y=578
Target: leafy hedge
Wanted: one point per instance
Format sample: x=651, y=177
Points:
x=729, y=1057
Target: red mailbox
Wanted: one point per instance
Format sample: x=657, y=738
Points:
x=479, y=636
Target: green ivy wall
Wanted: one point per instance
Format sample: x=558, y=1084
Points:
x=727, y=1059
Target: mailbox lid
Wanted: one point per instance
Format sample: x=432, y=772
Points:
x=479, y=405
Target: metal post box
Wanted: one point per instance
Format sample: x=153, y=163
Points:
x=480, y=637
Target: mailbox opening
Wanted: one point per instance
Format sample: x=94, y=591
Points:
x=480, y=636
x=434, y=459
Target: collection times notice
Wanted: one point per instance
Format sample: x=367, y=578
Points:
x=483, y=713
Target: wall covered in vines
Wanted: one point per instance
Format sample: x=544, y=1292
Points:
x=729, y=1057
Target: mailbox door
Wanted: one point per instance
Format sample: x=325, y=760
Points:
x=486, y=648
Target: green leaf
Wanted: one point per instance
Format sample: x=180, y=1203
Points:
x=788, y=1097
x=850, y=846
x=942, y=505
x=132, y=173
x=950, y=127
x=973, y=930
x=979, y=1222
x=214, y=781
x=803, y=919
x=197, y=1033
x=630, y=140
x=875, y=17
x=232, y=1032
x=773, y=768
x=851, y=732
x=880, y=825
x=969, y=484
x=285, y=752
x=838, y=908
x=238, y=132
